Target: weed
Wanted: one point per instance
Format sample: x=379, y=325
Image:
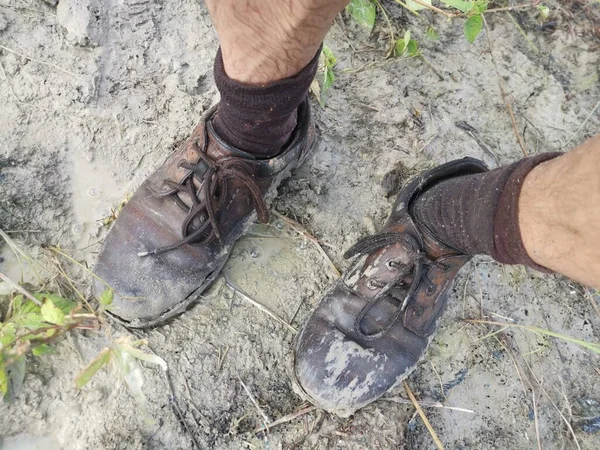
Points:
x=364, y=13
x=35, y=320
x=328, y=61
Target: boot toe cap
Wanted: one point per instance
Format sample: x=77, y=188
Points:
x=341, y=374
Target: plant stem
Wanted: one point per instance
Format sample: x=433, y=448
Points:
x=20, y=289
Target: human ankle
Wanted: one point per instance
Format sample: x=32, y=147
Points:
x=260, y=119
x=559, y=214
x=478, y=214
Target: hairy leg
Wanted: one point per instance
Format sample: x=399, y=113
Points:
x=559, y=213
x=268, y=40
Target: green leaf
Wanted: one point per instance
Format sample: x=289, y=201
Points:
x=405, y=49
x=363, y=12
x=8, y=334
x=414, y=6
x=544, y=12
x=64, y=304
x=400, y=47
x=107, y=297
x=93, y=367
x=3, y=377
x=328, y=80
x=17, y=303
x=42, y=349
x=329, y=58
x=473, y=27
x=31, y=321
x=137, y=353
x=413, y=48
x=461, y=5
x=24, y=306
x=51, y=313
x=480, y=6
x=26, y=314
x=432, y=33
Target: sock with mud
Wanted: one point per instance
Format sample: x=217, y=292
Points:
x=479, y=213
x=260, y=119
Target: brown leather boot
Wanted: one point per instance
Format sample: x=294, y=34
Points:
x=174, y=236
x=374, y=325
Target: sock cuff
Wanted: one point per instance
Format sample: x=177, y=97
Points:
x=272, y=99
x=508, y=243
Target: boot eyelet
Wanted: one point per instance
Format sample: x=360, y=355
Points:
x=391, y=265
x=430, y=290
x=445, y=268
x=371, y=284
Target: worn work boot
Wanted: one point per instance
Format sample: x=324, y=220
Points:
x=174, y=236
x=374, y=325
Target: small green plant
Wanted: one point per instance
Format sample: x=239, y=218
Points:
x=328, y=61
x=124, y=357
x=363, y=12
x=34, y=320
x=31, y=324
x=406, y=46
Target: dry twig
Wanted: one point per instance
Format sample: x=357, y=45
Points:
x=264, y=417
x=20, y=289
x=44, y=63
x=404, y=401
x=287, y=418
x=432, y=432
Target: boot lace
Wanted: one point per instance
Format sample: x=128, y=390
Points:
x=207, y=200
x=416, y=272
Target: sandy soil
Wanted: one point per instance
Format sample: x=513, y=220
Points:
x=95, y=94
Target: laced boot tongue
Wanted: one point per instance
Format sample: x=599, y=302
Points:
x=387, y=254
x=201, y=193
x=389, y=277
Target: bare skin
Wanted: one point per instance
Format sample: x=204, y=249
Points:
x=559, y=208
x=559, y=213
x=264, y=41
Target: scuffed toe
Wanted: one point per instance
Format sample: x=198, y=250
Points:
x=338, y=371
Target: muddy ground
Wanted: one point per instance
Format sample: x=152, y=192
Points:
x=95, y=94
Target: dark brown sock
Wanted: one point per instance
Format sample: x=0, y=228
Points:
x=479, y=214
x=260, y=119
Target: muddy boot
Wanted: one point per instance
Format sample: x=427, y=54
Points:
x=174, y=236
x=375, y=324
